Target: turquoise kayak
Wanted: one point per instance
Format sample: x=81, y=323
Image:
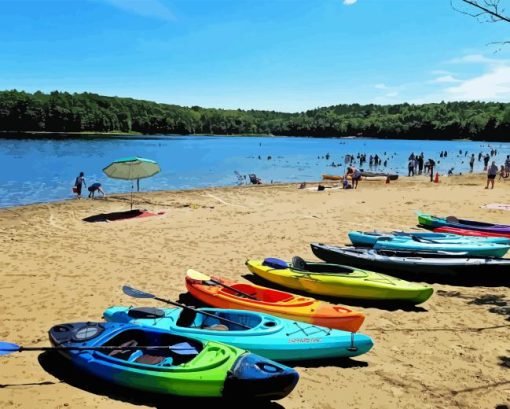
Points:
x=471, y=249
x=368, y=239
x=263, y=334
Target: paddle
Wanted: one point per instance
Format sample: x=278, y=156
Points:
x=133, y=292
x=199, y=276
x=183, y=348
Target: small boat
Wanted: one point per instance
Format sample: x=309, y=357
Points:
x=223, y=293
x=379, y=261
x=338, y=280
x=332, y=177
x=473, y=249
x=469, y=232
x=263, y=334
x=156, y=360
x=379, y=174
x=431, y=222
x=368, y=239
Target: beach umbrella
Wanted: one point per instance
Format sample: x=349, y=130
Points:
x=132, y=168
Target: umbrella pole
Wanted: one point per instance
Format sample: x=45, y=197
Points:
x=131, y=195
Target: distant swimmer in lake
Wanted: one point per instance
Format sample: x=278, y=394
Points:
x=78, y=183
x=95, y=187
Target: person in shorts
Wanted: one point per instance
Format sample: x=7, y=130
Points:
x=355, y=176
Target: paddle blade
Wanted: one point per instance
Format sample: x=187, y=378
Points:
x=184, y=348
x=196, y=275
x=133, y=292
x=7, y=348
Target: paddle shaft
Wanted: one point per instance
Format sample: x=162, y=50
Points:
x=95, y=348
x=233, y=289
x=201, y=312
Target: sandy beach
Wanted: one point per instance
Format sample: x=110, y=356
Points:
x=446, y=353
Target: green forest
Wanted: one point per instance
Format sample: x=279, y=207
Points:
x=62, y=112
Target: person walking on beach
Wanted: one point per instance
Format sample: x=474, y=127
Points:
x=80, y=180
x=432, y=163
x=491, y=175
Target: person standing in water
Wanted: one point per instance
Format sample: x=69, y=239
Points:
x=472, y=162
x=78, y=183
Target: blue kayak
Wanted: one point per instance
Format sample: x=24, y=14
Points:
x=469, y=249
x=263, y=334
x=368, y=239
x=159, y=361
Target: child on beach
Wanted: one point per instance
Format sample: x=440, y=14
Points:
x=95, y=187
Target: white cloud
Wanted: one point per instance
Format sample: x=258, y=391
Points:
x=146, y=8
x=381, y=86
x=493, y=85
x=445, y=79
x=475, y=59
x=392, y=94
x=349, y=2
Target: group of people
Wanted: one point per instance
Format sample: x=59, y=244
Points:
x=417, y=165
x=93, y=188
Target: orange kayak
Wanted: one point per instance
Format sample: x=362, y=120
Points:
x=267, y=300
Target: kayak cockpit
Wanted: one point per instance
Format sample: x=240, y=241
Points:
x=152, y=348
x=221, y=321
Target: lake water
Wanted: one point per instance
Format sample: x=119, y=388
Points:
x=41, y=170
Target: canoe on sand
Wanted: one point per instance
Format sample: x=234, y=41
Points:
x=156, y=360
x=338, y=280
x=263, y=334
x=279, y=303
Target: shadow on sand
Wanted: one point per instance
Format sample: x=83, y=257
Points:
x=353, y=302
x=58, y=366
x=114, y=216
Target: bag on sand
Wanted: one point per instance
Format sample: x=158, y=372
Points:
x=75, y=189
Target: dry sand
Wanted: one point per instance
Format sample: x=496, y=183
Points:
x=57, y=268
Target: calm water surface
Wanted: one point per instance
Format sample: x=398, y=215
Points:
x=44, y=170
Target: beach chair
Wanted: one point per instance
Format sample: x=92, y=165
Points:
x=254, y=179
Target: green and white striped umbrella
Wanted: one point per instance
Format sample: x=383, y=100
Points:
x=132, y=168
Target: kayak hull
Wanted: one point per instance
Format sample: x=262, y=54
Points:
x=471, y=233
x=279, y=303
x=369, y=239
x=374, y=260
x=432, y=222
x=328, y=280
x=209, y=370
x=271, y=337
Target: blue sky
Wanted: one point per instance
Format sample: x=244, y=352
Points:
x=286, y=55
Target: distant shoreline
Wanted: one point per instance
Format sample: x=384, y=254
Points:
x=135, y=135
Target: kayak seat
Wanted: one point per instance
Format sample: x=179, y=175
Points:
x=217, y=327
x=186, y=318
x=135, y=355
x=124, y=353
x=169, y=361
x=149, y=359
x=298, y=263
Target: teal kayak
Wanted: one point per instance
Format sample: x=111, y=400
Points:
x=263, y=334
x=472, y=249
x=368, y=239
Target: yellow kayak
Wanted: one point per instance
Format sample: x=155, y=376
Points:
x=338, y=281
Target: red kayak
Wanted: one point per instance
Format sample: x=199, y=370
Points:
x=467, y=232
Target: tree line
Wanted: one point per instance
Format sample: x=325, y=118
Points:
x=86, y=112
